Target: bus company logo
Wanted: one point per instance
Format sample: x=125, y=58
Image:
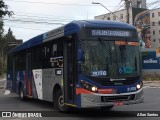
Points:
x=150, y=61
x=6, y=114
x=21, y=115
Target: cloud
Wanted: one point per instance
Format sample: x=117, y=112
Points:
x=51, y=12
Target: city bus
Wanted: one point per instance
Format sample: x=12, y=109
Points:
x=83, y=64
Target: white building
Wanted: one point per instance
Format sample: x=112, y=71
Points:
x=121, y=14
x=155, y=27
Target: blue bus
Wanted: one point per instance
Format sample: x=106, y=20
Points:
x=83, y=64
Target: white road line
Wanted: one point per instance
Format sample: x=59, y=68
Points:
x=150, y=87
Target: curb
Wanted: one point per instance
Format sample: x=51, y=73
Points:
x=1, y=87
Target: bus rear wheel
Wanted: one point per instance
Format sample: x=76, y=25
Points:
x=59, y=102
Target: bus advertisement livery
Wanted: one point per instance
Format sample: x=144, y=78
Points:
x=83, y=64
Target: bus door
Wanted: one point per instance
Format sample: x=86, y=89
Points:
x=29, y=73
x=69, y=70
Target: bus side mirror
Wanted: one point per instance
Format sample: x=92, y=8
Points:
x=81, y=56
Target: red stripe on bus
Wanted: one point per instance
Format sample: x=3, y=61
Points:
x=29, y=88
x=82, y=91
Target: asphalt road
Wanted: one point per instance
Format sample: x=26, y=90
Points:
x=151, y=104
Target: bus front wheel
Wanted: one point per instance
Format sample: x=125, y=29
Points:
x=59, y=102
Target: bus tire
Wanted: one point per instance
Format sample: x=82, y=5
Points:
x=59, y=102
x=21, y=93
x=106, y=108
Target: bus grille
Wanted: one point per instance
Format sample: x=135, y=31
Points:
x=117, y=98
x=118, y=83
x=107, y=82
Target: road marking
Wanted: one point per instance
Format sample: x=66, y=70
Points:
x=150, y=87
x=7, y=92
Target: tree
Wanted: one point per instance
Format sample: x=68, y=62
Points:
x=9, y=37
x=3, y=12
x=4, y=9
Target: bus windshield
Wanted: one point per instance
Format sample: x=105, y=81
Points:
x=103, y=58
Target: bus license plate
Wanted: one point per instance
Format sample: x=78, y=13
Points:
x=118, y=103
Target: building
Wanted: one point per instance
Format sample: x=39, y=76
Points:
x=137, y=3
x=135, y=6
x=155, y=27
x=146, y=21
x=121, y=14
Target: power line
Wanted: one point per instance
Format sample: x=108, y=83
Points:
x=26, y=28
x=31, y=21
x=44, y=15
x=22, y=27
x=156, y=6
x=49, y=18
x=50, y=3
x=117, y=6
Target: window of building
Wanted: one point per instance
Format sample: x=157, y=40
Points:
x=159, y=40
x=159, y=31
x=159, y=14
x=108, y=18
x=153, y=32
x=153, y=23
x=114, y=17
x=158, y=22
x=154, y=40
x=152, y=14
x=121, y=16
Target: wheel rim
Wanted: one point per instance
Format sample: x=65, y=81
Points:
x=61, y=101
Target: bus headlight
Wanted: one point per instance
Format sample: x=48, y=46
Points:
x=88, y=86
x=139, y=85
x=94, y=89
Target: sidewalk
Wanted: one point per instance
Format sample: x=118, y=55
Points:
x=152, y=83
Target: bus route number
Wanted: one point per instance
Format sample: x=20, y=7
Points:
x=129, y=89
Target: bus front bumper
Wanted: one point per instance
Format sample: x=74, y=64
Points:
x=99, y=100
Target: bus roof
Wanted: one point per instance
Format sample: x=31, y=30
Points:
x=72, y=27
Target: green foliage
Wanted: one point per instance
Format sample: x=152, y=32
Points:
x=4, y=38
x=4, y=47
x=4, y=10
x=9, y=37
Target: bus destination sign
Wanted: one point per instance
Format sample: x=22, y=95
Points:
x=116, y=33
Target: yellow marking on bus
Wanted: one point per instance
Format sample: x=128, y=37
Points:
x=70, y=104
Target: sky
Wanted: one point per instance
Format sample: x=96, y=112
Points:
x=34, y=17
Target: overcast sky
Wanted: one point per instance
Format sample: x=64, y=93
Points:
x=33, y=17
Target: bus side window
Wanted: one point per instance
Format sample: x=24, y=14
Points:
x=47, y=56
x=54, y=49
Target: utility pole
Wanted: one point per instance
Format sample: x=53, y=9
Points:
x=127, y=5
